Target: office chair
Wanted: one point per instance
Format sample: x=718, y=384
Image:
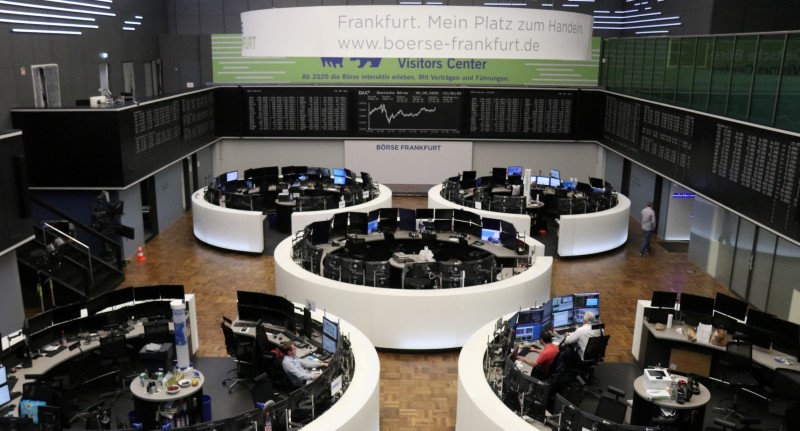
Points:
x=238, y=351
x=157, y=331
x=784, y=390
x=612, y=409
x=114, y=351
x=736, y=372
x=593, y=355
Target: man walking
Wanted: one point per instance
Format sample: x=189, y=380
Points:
x=648, y=226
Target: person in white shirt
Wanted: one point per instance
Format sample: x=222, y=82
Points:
x=580, y=338
x=648, y=226
x=297, y=369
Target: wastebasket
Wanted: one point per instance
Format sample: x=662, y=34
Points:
x=206, y=408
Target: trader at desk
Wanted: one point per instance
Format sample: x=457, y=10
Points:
x=582, y=335
x=296, y=368
x=545, y=358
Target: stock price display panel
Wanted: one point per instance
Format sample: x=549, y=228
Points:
x=752, y=170
x=410, y=112
x=515, y=114
x=197, y=119
x=296, y=112
x=756, y=170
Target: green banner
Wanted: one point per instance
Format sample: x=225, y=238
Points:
x=231, y=68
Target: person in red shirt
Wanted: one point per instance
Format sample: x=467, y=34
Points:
x=541, y=365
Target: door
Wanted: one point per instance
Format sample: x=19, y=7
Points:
x=149, y=208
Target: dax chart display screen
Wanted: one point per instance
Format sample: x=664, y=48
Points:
x=410, y=112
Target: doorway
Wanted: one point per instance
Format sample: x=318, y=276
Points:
x=149, y=208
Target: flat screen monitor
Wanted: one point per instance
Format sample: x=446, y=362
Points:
x=596, y=183
x=702, y=305
x=252, y=299
x=339, y=224
x=172, y=291
x=339, y=180
x=462, y=227
x=528, y=332
x=547, y=310
x=562, y=318
x=151, y=309
x=490, y=235
x=424, y=213
x=526, y=317
x=338, y=172
x=40, y=322
x=408, y=219
x=320, y=232
x=443, y=225
x=555, y=173
x=3, y=376
x=730, y=306
x=146, y=293
x=328, y=344
x=586, y=300
x=499, y=175
x=562, y=303
x=358, y=223
x=583, y=188
x=231, y=176
x=443, y=214
x=245, y=421
x=662, y=299
x=515, y=170
x=120, y=296
x=330, y=328
x=5, y=395
x=760, y=319
x=372, y=226
x=757, y=336
x=67, y=312
x=579, y=312
x=786, y=338
x=324, y=173
x=656, y=315
x=724, y=321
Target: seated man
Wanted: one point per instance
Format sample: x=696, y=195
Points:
x=296, y=368
x=582, y=335
x=547, y=355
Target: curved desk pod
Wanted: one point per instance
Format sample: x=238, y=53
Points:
x=359, y=407
x=582, y=234
x=521, y=222
x=414, y=319
x=478, y=407
x=301, y=219
x=227, y=228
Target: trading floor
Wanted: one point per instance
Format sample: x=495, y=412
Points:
x=418, y=390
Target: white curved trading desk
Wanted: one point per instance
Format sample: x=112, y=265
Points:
x=477, y=406
x=578, y=234
x=227, y=228
x=359, y=407
x=415, y=319
x=582, y=234
x=301, y=219
x=521, y=222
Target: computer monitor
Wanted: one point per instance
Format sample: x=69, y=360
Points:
x=330, y=328
x=146, y=293
x=3, y=375
x=760, y=319
x=730, y=306
x=562, y=303
x=499, y=175
x=339, y=180
x=786, y=338
x=586, y=300
x=490, y=235
x=328, y=344
x=408, y=219
x=724, y=321
x=358, y=223
x=67, y=312
x=570, y=414
x=541, y=181
x=231, y=176
x=424, y=213
x=533, y=315
x=547, y=314
x=562, y=318
x=5, y=395
x=528, y=332
x=172, y=291
x=40, y=322
x=338, y=172
x=701, y=305
x=755, y=335
x=596, y=183
x=372, y=226
x=555, y=173
x=663, y=299
x=514, y=170
x=249, y=421
x=320, y=232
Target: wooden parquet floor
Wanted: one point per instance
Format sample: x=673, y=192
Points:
x=418, y=390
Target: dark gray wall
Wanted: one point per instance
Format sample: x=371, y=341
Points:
x=169, y=194
x=78, y=56
x=12, y=313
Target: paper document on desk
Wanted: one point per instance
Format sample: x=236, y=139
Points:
x=657, y=394
x=704, y=333
x=152, y=347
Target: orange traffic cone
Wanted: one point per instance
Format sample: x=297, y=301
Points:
x=140, y=254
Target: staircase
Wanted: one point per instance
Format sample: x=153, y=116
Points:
x=90, y=263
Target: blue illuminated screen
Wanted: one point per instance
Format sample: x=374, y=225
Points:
x=372, y=226
x=562, y=318
x=490, y=235
x=530, y=332
x=338, y=172
x=514, y=170
x=562, y=303
x=5, y=396
x=340, y=180
x=231, y=176
x=328, y=344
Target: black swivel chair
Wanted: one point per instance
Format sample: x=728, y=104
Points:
x=737, y=372
x=784, y=390
x=238, y=350
x=593, y=355
x=612, y=409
